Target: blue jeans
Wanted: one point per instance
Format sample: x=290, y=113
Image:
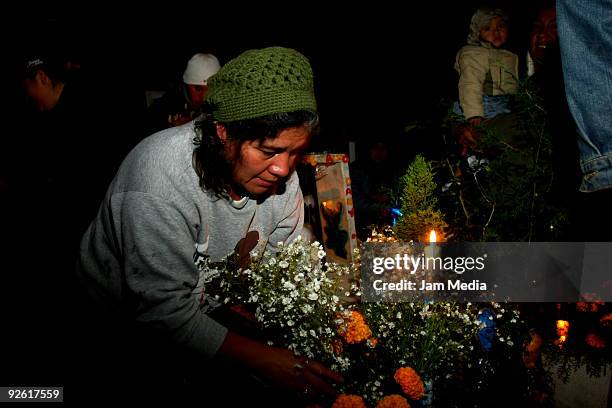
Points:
x=493, y=106
x=585, y=35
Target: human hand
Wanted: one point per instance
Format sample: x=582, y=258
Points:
x=244, y=247
x=475, y=121
x=307, y=377
x=468, y=138
x=280, y=367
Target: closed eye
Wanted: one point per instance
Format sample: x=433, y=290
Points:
x=268, y=153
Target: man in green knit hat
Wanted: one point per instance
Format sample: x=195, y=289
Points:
x=195, y=191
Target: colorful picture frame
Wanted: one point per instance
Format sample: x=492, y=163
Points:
x=335, y=204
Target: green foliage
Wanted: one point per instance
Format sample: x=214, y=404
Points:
x=416, y=226
x=418, y=186
x=505, y=190
x=419, y=202
x=302, y=303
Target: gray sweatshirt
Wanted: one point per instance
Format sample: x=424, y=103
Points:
x=137, y=256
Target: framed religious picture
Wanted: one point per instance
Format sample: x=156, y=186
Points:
x=329, y=208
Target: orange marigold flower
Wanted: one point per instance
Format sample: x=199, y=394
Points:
x=532, y=351
x=355, y=329
x=582, y=306
x=591, y=306
x=411, y=383
x=535, y=344
x=606, y=320
x=372, y=342
x=393, y=401
x=595, y=341
x=348, y=401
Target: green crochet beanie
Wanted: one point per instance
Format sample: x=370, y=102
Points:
x=261, y=82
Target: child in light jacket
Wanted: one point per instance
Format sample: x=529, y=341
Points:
x=487, y=72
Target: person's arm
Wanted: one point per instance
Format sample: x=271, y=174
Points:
x=159, y=272
x=279, y=366
x=473, y=66
x=507, y=67
x=160, y=275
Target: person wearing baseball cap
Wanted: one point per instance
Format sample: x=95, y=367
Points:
x=183, y=104
x=199, y=68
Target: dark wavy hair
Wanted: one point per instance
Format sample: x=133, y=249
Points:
x=213, y=167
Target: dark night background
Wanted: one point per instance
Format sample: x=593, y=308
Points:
x=376, y=67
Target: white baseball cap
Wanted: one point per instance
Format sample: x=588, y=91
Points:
x=199, y=68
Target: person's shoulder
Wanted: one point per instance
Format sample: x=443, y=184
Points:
x=166, y=146
x=294, y=181
x=286, y=194
x=284, y=201
x=470, y=55
x=472, y=50
x=159, y=159
x=292, y=186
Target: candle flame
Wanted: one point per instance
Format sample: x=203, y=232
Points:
x=432, y=236
x=562, y=332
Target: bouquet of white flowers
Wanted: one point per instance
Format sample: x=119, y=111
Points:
x=295, y=296
x=388, y=353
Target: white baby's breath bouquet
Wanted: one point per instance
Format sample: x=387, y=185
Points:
x=298, y=299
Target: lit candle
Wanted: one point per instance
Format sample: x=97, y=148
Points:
x=432, y=237
x=432, y=250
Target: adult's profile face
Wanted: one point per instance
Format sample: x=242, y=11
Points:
x=261, y=166
x=39, y=91
x=197, y=93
